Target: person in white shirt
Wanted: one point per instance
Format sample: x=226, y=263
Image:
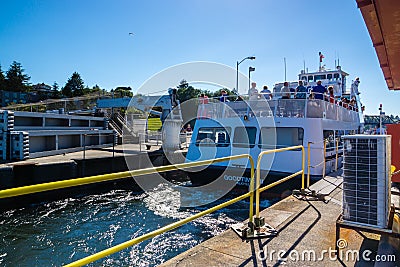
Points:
x=253, y=92
x=285, y=90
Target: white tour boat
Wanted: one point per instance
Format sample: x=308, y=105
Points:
x=255, y=125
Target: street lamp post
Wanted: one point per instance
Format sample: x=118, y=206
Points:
x=250, y=70
x=237, y=71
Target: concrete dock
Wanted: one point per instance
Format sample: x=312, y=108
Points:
x=306, y=237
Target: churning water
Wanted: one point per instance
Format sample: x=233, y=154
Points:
x=64, y=231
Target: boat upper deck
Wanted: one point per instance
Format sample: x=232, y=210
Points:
x=294, y=108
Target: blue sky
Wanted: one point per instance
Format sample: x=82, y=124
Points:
x=54, y=38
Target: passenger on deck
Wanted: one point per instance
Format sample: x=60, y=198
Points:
x=380, y=130
x=285, y=91
x=319, y=91
x=353, y=104
x=301, y=91
x=345, y=102
x=224, y=96
x=266, y=93
x=331, y=95
x=203, y=99
x=253, y=92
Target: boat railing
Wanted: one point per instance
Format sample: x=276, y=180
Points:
x=275, y=107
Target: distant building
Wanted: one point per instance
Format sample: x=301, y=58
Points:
x=42, y=90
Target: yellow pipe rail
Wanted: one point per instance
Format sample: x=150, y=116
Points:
x=108, y=177
x=29, y=189
x=324, y=166
x=144, y=237
x=308, y=162
x=258, y=175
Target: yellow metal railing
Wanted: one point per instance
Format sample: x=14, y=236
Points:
x=322, y=162
x=30, y=189
x=258, y=174
x=108, y=177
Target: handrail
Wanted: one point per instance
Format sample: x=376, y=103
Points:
x=99, y=178
x=250, y=194
x=309, y=160
x=169, y=227
x=258, y=174
x=30, y=189
x=144, y=237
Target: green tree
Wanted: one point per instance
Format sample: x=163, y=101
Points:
x=186, y=91
x=123, y=91
x=16, y=80
x=74, y=86
x=2, y=80
x=55, y=92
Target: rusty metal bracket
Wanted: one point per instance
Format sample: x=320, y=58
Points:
x=257, y=230
x=308, y=195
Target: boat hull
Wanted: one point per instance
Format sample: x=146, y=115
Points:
x=238, y=179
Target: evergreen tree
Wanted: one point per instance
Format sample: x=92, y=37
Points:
x=186, y=91
x=16, y=80
x=2, y=80
x=74, y=86
x=55, y=92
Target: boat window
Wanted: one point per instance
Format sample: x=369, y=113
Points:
x=336, y=76
x=244, y=136
x=213, y=136
x=310, y=78
x=320, y=77
x=304, y=78
x=329, y=76
x=279, y=137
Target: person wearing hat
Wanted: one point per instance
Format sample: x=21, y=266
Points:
x=319, y=90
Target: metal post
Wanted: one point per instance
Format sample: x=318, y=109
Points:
x=84, y=155
x=303, y=161
x=237, y=71
x=237, y=76
x=337, y=153
x=324, y=169
x=249, y=78
x=140, y=142
x=113, y=142
x=308, y=163
x=84, y=146
x=113, y=151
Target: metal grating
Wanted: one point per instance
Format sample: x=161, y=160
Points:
x=366, y=179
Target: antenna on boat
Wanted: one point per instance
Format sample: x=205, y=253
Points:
x=304, y=65
x=338, y=63
x=284, y=62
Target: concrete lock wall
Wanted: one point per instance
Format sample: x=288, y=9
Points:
x=50, y=134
